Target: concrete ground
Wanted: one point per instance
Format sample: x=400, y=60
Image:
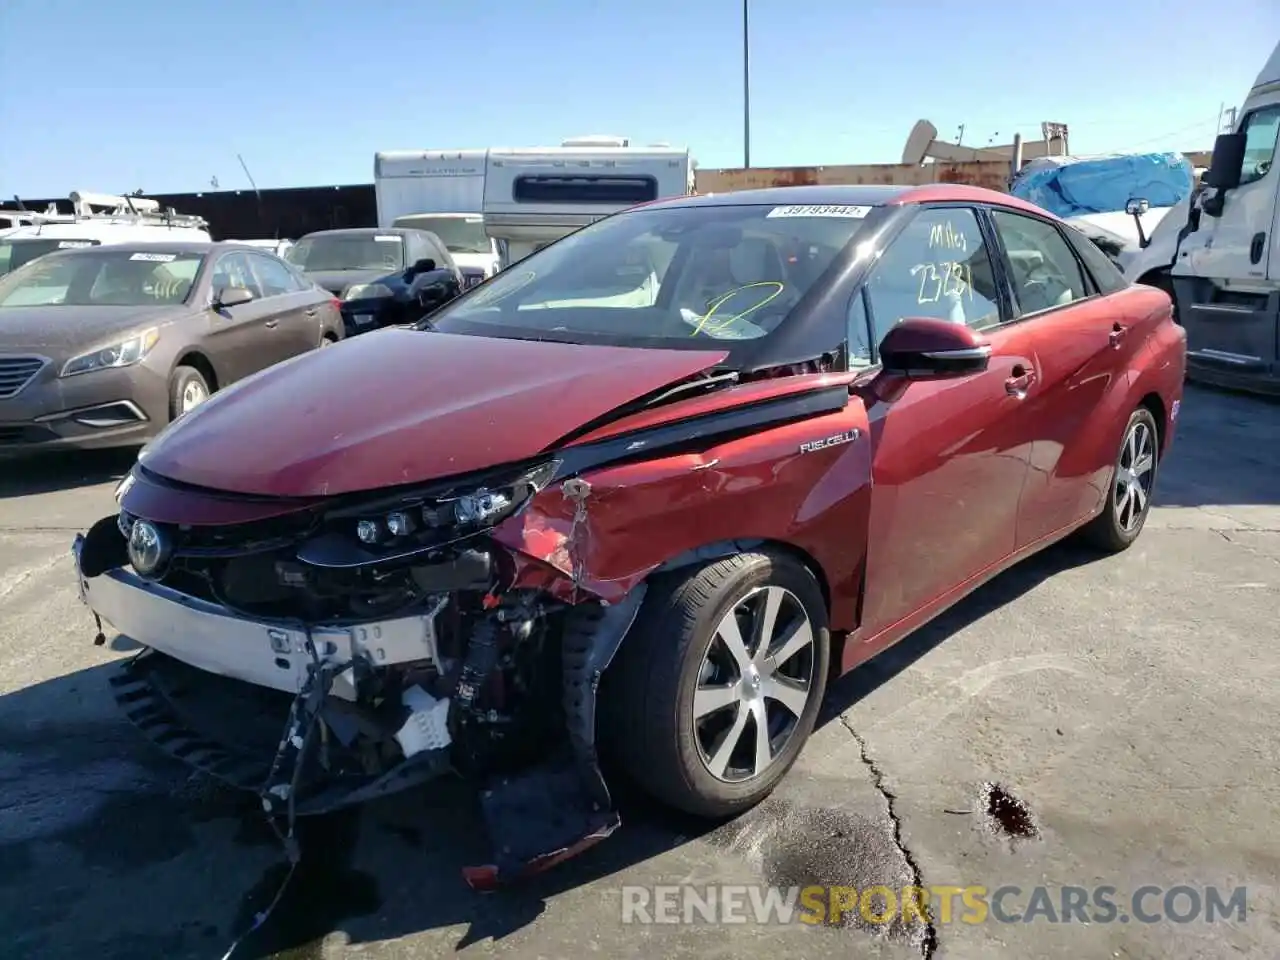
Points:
x=1130, y=703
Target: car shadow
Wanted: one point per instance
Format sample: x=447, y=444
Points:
x=387, y=870
x=65, y=470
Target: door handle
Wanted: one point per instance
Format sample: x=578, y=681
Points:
x=1255, y=247
x=1021, y=381
x=1118, y=330
x=312, y=311
x=272, y=324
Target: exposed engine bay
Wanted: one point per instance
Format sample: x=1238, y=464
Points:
x=418, y=659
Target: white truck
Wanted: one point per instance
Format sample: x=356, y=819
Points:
x=441, y=191
x=533, y=196
x=96, y=219
x=1218, y=254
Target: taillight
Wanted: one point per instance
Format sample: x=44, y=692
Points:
x=337, y=304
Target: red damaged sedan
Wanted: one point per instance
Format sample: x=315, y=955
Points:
x=640, y=495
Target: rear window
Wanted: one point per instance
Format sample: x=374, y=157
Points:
x=600, y=189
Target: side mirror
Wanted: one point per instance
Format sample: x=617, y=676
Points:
x=1135, y=208
x=920, y=348
x=425, y=265
x=1227, y=162
x=232, y=297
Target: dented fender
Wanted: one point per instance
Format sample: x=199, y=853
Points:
x=600, y=533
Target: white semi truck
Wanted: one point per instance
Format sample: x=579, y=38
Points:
x=1218, y=254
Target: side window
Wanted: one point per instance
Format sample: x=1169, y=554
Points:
x=1261, y=129
x=937, y=267
x=275, y=278
x=1106, y=276
x=1044, y=271
x=232, y=270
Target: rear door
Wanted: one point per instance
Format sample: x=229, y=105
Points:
x=296, y=311
x=950, y=456
x=239, y=336
x=1084, y=343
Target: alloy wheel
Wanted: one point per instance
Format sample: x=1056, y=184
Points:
x=1135, y=475
x=193, y=394
x=754, y=683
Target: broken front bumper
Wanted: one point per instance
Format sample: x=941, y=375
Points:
x=258, y=672
x=269, y=654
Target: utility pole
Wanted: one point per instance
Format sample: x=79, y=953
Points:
x=746, y=86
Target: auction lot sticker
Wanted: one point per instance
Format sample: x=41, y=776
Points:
x=819, y=210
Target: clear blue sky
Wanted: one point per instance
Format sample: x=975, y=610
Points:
x=118, y=95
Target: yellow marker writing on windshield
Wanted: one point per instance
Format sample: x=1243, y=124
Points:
x=718, y=302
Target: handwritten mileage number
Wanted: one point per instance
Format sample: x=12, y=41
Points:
x=950, y=279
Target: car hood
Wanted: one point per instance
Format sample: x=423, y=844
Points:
x=59, y=331
x=336, y=281
x=403, y=406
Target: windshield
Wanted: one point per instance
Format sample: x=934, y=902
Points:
x=673, y=277
x=108, y=276
x=14, y=253
x=349, y=251
x=458, y=234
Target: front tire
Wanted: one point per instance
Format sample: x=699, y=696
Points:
x=187, y=390
x=718, y=685
x=1132, y=482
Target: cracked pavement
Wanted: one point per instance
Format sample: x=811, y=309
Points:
x=1130, y=702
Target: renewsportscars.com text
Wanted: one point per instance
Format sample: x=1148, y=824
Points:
x=835, y=905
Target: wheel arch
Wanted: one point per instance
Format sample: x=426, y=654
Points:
x=726, y=548
x=198, y=360
x=1155, y=403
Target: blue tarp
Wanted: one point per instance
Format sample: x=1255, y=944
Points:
x=1070, y=186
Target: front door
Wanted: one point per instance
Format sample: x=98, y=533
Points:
x=1227, y=275
x=950, y=456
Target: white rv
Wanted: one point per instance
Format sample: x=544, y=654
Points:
x=1217, y=251
x=97, y=218
x=441, y=191
x=533, y=196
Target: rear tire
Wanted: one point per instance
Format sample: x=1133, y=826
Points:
x=187, y=390
x=676, y=662
x=1132, y=483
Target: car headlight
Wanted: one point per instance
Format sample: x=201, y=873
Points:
x=367, y=291
x=122, y=354
x=461, y=513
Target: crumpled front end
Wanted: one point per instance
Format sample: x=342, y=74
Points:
x=345, y=649
x=347, y=646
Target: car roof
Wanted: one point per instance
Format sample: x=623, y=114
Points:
x=173, y=246
x=361, y=231
x=854, y=195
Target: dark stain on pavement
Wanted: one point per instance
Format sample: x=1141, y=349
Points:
x=795, y=845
